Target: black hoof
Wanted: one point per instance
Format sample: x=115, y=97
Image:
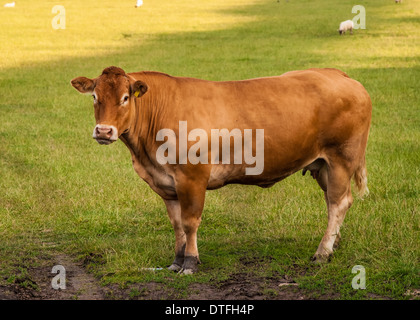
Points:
x=190, y=265
x=179, y=260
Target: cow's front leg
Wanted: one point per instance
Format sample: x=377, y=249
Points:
x=174, y=213
x=191, y=196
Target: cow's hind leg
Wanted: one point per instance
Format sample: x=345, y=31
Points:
x=174, y=213
x=320, y=173
x=350, y=202
x=339, y=199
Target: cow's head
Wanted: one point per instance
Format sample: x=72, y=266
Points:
x=113, y=94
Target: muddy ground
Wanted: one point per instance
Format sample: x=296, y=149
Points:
x=81, y=285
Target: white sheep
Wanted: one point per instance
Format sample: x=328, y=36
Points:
x=346, y=25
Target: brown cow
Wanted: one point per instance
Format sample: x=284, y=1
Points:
x=316, y=120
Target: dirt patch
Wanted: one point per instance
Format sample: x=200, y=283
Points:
x=142, y=291
x=36, y=283
x=241, y=286
x=413, y=294
x=244, y=286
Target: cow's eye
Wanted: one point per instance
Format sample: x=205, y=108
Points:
x=125, y=98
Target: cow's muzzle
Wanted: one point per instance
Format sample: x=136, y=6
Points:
x=105, y=134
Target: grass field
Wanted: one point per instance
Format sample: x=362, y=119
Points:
x=61, y=192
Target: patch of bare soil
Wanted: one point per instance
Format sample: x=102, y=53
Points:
x=36, y=284
x=244, y=286
x=241, y=286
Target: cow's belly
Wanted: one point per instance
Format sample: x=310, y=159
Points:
x=276, y=168
x=220, y=177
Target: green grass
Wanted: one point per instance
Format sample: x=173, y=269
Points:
x=62, y=192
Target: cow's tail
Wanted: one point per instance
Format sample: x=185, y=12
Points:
x=360, y=178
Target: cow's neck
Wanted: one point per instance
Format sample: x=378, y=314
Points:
x=141, y=141
x=150, y=112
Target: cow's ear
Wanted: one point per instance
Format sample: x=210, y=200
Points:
x=83, y=84
x=139, y=88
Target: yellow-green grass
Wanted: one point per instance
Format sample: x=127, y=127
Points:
x=62, y=192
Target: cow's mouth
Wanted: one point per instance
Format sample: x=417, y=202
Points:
x=104, y=141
